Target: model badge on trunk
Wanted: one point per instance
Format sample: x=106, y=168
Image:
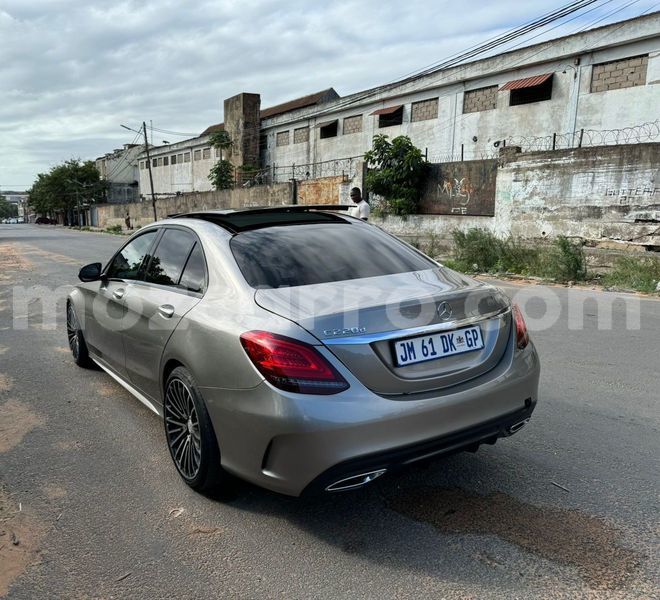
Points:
x=347, y=331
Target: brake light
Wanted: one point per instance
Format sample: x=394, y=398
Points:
x=292, y=365
x=522, y=337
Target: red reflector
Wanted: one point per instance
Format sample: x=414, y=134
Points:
x=292, y=365
x=522, y=337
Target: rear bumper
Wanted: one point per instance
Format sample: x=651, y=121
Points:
x=397, y=458
x=290, y=443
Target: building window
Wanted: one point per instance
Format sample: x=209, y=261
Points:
x=388, y=117
x=186, y=157
x=618, y=74
x=179, y=158
x=529, y=90
x=328, y=129
x=424, y=110
x=480, y=99
x=160, y=162
x=197, y=155
x=218, y=152
x=166, y=161
x=352, y=124
x=206, y=153
x=154, y=162
x=282, y=138
x=301, y=135
x=173, y=159
x=143, y=164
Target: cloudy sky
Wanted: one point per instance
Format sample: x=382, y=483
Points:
x=72, y=72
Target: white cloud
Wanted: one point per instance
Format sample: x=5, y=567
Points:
x=71, y=72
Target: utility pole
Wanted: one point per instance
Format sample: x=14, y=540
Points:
x=151, y=177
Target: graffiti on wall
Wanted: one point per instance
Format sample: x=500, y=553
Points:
x=461, y=188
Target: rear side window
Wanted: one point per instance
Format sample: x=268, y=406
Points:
x=308, y=254
x=126, y=263
x=170, y=257
x=193, y=278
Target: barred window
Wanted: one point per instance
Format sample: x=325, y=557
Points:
x=480, y=99
x=352, y=124
x=301, y=135
x=166, y=161
x=206, y=153
x=179, y=158
x=186, y=157
x=282, y=138
x=424, y=110
x=197, y=155
x=173, y=159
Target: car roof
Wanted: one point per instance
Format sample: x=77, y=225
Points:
x=248, y=219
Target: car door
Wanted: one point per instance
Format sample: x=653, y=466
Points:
x=171, y=285
x=105, y=307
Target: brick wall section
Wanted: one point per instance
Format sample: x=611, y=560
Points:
x=300, y=135
x=619, y=74
x=353, y=124
x=424, y=110
x=480, y=99
x=282, y=138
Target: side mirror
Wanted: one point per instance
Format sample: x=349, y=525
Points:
x=90, y=272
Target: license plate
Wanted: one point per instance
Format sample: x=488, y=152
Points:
x=438, y=345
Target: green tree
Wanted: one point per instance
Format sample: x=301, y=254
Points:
x=7, y=209
x=64, y=185
x=397, y=173
x=222, y=172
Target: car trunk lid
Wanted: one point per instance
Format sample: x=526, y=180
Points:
x=360, y=321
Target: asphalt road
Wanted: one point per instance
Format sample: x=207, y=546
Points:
x=91, y=506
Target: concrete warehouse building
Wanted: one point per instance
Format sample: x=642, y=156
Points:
x=590, y=84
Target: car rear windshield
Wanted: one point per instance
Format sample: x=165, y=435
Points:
x=309, y=254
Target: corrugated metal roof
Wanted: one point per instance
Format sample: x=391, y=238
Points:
x=305, y=101
x=309, y=100
x=516, y=84
x=387, y=111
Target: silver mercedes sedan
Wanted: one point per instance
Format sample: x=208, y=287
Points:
x=302, y=349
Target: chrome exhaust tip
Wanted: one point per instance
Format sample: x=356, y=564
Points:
x=355, y=481
x=517, y=426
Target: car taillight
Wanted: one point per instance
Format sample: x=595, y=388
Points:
x=292, y=365
x=522, y=337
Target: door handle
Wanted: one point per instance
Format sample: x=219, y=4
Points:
x=166, y=310
x=119, y=294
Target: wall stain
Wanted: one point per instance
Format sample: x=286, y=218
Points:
x=569, y=537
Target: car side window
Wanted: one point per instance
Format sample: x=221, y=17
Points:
x=193, y=278
x=170, y=257
x=127, y=262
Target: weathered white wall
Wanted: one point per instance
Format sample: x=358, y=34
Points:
x=609, y=192
x=572, y=106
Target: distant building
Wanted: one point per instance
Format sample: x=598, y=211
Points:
x=120, y=170
x=20, y=199
x=600, y=81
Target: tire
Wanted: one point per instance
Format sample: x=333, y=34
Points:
x=190, y=437
x=76, y=339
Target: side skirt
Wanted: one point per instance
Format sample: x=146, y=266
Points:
x=128, y=387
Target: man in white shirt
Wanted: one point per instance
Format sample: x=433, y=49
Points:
x=361, y=209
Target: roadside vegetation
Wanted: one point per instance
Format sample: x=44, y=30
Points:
x=479, y=251
x=564, y=261
x=397, y=173
x=642, y=274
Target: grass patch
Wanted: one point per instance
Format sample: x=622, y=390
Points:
x=641, y=274
x=478, y=250
x=116, y=229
